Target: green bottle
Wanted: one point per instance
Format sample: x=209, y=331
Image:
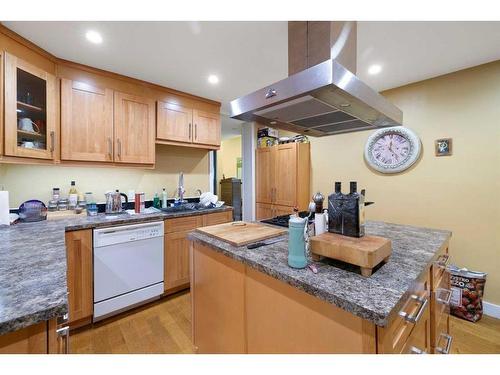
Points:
x=156, y=201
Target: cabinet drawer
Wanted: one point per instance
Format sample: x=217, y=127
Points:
x=180, y=224
x=438, y=268
x=217, y=218
x=443, y=338
x=392, y=339
x=440, y=308
x=418, y=342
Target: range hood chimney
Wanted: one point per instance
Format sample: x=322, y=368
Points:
x=322, y=95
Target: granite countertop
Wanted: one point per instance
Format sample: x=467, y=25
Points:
x=33, y=265
x=376, y=298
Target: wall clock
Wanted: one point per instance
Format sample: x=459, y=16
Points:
x=392, y=150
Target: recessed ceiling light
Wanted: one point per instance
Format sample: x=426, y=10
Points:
x=94, y=37
x=374, y=69
x=213, y=79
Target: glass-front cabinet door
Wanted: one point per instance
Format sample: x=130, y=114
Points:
x=30, y=110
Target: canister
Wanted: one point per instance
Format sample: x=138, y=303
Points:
x=139, y=202
x=296, y=242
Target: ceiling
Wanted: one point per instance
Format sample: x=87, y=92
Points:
x=247, y=56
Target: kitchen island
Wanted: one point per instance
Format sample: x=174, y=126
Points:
x=34, y=272
x=251, y=301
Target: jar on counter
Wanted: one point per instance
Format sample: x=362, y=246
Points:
x=63, y=204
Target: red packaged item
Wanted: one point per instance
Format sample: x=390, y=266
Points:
x=467, y=288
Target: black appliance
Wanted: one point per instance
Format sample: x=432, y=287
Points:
x=282, y=220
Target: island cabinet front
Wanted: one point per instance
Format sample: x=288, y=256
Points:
x=237, y=309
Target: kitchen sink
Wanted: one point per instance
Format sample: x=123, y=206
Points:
x=184, y=207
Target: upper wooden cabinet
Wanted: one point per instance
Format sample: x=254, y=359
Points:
x=134, y=129
x=175, y=122
x=185, y=126
x=282, y=176
x=86, y=122
x=30, y=110
x=206, y=128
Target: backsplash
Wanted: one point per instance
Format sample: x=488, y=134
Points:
x=36, y=181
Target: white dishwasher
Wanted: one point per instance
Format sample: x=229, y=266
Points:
x=128, y=267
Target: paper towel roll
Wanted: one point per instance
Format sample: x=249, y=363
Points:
x=4, y=208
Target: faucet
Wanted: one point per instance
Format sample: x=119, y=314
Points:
x=180, y=188
x=199, y=192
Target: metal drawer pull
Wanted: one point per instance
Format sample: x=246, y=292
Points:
x=447, y=348
x=64, y=333
x=415, y=318
x=415, y=350
x=52, y=141
x=444, y=301
x=442, y=261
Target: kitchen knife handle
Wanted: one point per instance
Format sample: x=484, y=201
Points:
x=255, y=245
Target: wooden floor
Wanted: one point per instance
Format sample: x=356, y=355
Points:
x=165, y=327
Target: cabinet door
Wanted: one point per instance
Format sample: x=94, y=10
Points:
x=263, y=211
x=30, y=110
x=206, y=128
x=86, y=122
x=29, y=340
x=175, y=123
x=264, y=170
x=176, y=260
x=285, y=174
x=1, y=103
x=282, y=210
x=134, y=129
x=79, y=274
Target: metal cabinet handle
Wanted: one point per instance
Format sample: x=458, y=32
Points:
x=63, y=332
x=110, y=148
x=195, y=131
x=447, y=347
x=415, y=350
x=444, y=301
x=189, y=130
x=415, y=318
x=442, y=260
x=119, y=142
x=52, y=141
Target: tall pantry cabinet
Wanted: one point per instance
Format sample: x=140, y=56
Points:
x=282, y=178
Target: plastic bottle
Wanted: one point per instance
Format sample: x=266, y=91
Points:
x=164, y=198
x=156, y=201
x=73, y=196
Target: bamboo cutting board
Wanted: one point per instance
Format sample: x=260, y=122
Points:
x=366, y=252
x=239, y=233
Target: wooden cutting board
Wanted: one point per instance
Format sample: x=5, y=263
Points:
x=366, y=252
x=239, y=233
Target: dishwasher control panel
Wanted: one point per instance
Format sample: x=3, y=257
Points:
x=127, y=233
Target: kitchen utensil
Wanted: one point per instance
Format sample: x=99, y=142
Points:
x=264, y=243
x=114, y=202
x=296, y=242
x=318, y=199
x=32, y=210
x=366, y=252
x=25, y=124
x=240, y=235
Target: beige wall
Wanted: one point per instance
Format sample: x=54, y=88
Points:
x=27, y=181
x=459, y=192
x=226, y=158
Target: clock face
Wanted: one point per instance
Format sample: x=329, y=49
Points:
x=392, y=150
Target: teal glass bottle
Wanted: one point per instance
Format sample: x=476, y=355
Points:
x=296, y=242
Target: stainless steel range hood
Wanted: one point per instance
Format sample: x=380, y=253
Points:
x=325, y=98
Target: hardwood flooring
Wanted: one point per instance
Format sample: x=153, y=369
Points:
x=165, y=327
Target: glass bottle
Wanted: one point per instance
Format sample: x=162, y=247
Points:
x=335, y=210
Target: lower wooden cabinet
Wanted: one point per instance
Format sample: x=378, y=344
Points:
x=176, y=246
x=48, y=337
x=80, y=274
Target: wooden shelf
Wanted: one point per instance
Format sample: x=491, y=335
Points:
x=29, y=107
x=33, y=135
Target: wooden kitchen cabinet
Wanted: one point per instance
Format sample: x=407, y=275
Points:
x=174, y=123
x=134, y=127
x=176, y=249
x=47, y=337
x=86, y=122
x=30, y=97
x=79, y=275
x=207, y=128
x=184, y=126
x=282, y=177
x=263, y=211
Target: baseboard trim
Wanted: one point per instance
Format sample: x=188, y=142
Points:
x=491, y=309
